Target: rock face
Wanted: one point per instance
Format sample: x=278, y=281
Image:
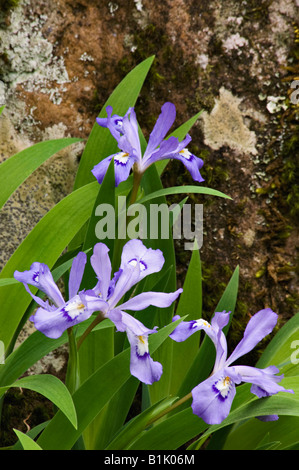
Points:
x=61, y=59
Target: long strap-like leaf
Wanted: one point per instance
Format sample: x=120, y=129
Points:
x=16, y=169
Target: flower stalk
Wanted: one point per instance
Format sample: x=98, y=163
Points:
x=136, y=183
x=72, y=375
x=88, y=330
x=172, y=407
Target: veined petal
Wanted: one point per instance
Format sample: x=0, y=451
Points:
x=157, y=299
x=48, y=285
x=39, y=301
x=167, y=148
x=136, y=253
x=101, y=264
x=264, y=381
x=40, y=276
x=186, y=328
x=142, y=365
x=53, y=323
x=130, y=139
x=260, y=325
x=113, y=282
x=99, y=170
x=123, y=163
x=219, y=321
x=76, y=273
x=128, y=277
x=93, y=303
x=191, y=162
x=29, y=277
x=124, y=321
x=212, y=399
x=112, y=122
x=162, y=126
x=173, y=149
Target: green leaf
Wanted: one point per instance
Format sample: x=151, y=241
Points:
x=106, y=195
x=93, y=395
x=173, y=432
x=35, y=347
x=190, y=304
x=100, y=143
x=131, y=430
x=44, y=243
x=181, y=190
x=32, y=433
x=114, y=414
x=8, y=282
x=151, y=183
x=52, y=388
x=248, y=435
x=98, y=347
x=17, y=168
x=116, y=411
x=26, y=441
x=170, y=433
x=281, y=351
x=1, y=109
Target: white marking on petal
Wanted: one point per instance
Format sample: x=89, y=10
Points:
x=223, y=386
x=186, y=154
x=121, y=158
x=142, y=345
x=74, y=308
x=202, y=322
x=134, y=262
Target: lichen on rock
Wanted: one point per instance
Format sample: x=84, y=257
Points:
x=26, y=56
x=225, y=126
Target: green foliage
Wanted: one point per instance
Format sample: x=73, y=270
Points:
x=7, y=5
x=95, y=414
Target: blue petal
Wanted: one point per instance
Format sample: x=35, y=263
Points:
x=76, y=273
x=212, y=399
x=40, y=276
x=122, y=167
x=259, y=326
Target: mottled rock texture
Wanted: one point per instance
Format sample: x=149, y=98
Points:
x=61, y=59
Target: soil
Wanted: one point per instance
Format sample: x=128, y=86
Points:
x=237, y=61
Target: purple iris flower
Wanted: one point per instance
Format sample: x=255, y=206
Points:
x=52, y=319
x=125, y=131
x=212, y=399
x=137, y=261
x=55, y=315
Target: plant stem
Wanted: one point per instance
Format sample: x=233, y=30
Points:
x=136, y=184
x=171, y=408
x=96, y=321
x=119, y=243
x=72, y=375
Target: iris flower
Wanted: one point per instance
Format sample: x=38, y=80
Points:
x=212, y=399
x=137, y=262
x=55, y=315
x=125, y=131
